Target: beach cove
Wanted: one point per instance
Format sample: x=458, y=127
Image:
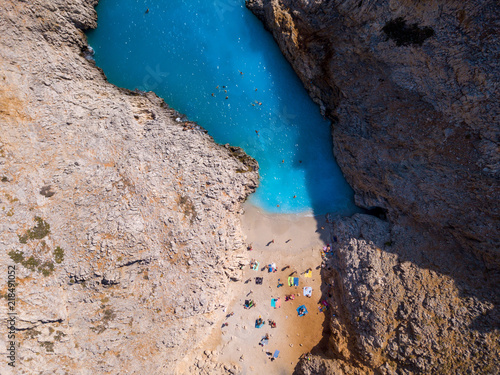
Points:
x=226, y=73
x=123, y=219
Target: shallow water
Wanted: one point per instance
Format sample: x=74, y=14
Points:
x=213, y=61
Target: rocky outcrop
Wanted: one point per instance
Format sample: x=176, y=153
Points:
x=120, y=216
x=412, y=90
x=400, y=304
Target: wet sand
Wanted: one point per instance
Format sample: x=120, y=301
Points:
x=298, y=244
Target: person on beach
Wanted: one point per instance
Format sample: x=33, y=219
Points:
x=264, y=340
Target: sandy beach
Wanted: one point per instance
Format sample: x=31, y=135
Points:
x=297, y=244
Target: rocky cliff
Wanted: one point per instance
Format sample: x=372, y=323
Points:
x=412, y=89
x=120, y=217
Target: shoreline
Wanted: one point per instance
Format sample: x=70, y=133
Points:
x=260, y=227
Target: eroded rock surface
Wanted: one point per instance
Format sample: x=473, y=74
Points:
x=406, y=303
x=121, y=217
x=412, y=89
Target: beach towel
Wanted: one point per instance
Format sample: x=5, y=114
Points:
x=278, y=303
x=256, y=266
x=264, y=341
x=290, y=281
x=296, y=281
x=257, y=325
x=308, y=273
x=308, y=291
x=276, y=354
x=273, y=302
x=304, y=312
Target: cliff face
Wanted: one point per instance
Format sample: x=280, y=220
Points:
x=120, y=217
x=412, y=89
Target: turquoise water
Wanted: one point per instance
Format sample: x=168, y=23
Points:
x=194, y=54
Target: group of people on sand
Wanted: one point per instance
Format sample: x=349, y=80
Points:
x=289, y=297
x=301, y=310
